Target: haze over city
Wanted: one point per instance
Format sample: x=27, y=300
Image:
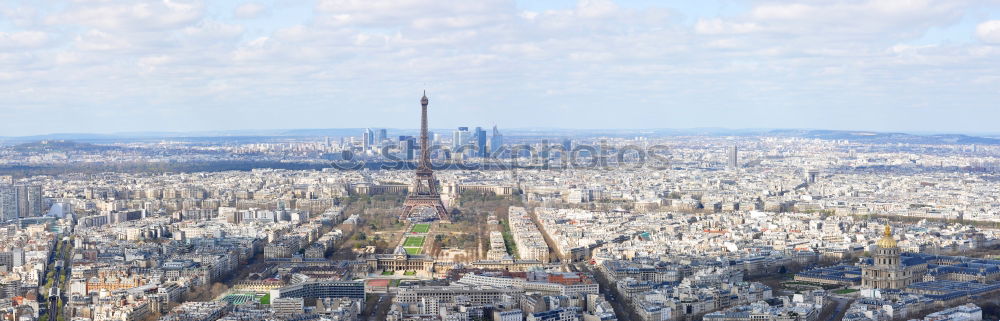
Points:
x=113, y=66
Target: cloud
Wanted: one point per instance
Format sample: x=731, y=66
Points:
x=850, y=21
x=24, y=17
x=23, y=40
x=422, y=14
x=130, y=17
x=989, y=31
x=213, y=31
x=773, y=63
x=96, y=40
x=718, y=26
x=249, y=10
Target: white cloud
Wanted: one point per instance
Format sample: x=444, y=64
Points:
x=124, y=16
x=25, y=17
x=596, y=8
x=856, y=20
x=989, y=31
x=23, y=40
x=718, y=26
x=413, y=13
x=96, y=40
x=815, y=56
x=212, y=31
x=250, y=10
x=150, y=63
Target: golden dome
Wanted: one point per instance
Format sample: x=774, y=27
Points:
x=886, y=241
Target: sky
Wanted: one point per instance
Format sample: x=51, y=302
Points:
x=107, y=66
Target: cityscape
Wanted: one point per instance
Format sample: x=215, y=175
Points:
x=454, y=209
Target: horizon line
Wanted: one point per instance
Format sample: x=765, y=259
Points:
x=230, y=132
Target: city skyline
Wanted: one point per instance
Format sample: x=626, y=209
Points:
x=570, y=160
x=105, y=67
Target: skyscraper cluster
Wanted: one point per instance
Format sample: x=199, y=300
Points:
x=374, y=138
x=20, y=200
x=470, y=142
x=476, y=143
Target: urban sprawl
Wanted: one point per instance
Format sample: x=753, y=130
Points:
x=572, y=227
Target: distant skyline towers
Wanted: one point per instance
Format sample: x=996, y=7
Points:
x=468, y=141
x=460, y=138
x=480, y=142
x=406, y=145
x=733, y=154
x=380, y=136
x=373, y=138
x=367, y=138
x=495, y=141
x=477, y=142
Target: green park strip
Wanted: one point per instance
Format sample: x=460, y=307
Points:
x=414, y=241
x=420, y=228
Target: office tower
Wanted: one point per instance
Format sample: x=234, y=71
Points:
x=21, y=194
x=380, y=136
x=567, y=145
x=29, y=200
x=496, y=140
x=326, y=141
x=8, y=202
x=406, y=145
x=367, y=138
x=423, y=196
x=460, y=138
x=733, y=157
x=480, y=136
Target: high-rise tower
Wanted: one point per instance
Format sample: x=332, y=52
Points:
x=424, y=201
x=734, y=160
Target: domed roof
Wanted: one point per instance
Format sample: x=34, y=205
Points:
x=886, y=241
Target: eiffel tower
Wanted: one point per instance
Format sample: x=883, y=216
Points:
x=424, y=197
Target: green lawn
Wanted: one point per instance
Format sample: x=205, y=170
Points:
x=414, y=241
x=845, y=291
x=266, y=299
x=421, y=228
x=410, y=273
x=388, y=272
x=412, y=250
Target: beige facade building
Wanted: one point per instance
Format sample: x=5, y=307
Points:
x=886, y=270
x=399, y=260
